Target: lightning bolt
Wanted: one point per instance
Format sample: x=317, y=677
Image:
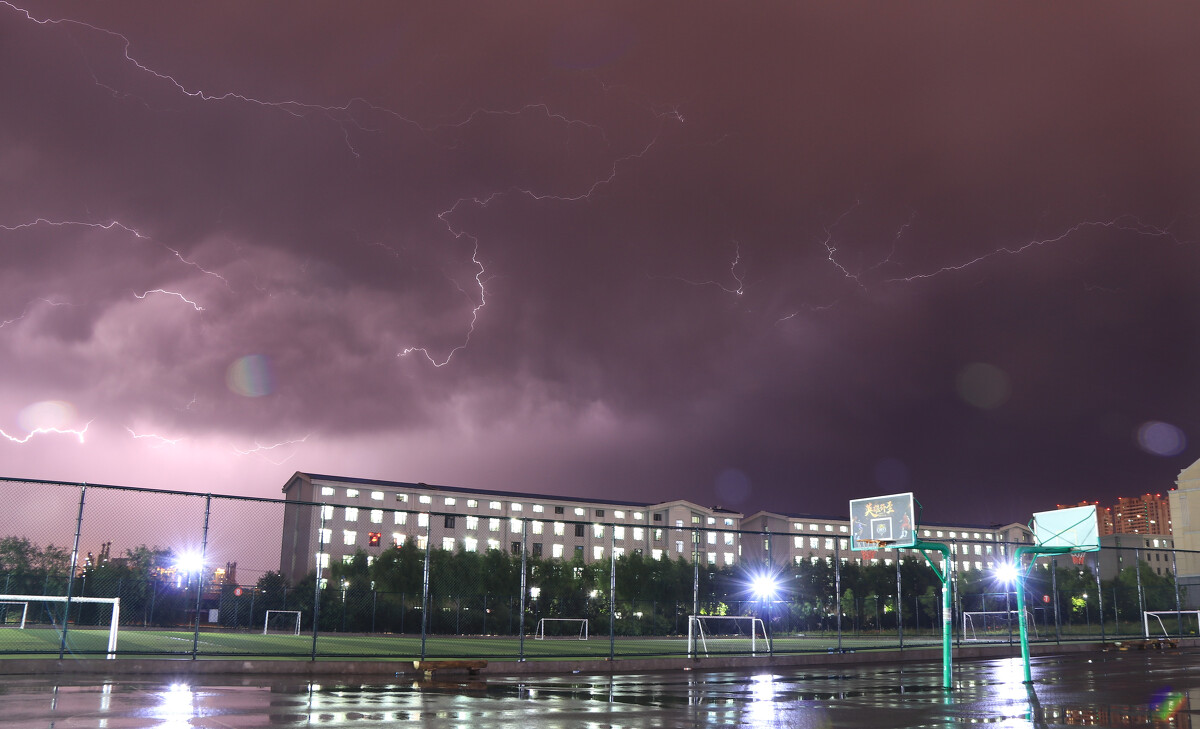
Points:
x=733, y=272
x=43, y=431
x=117, y=225
x=14, y=320
x=1124, y=223
x=161, y=439
x=474, y=311
x=195, y=306
x=259, y=449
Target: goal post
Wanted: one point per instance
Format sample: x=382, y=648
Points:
x=28, y=622
x=1192, y=621
x=13, y=614
x=282, y=621
x=989, y=623
x=567, y=628
x=726, y=634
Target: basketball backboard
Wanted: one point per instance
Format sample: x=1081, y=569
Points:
x=1075, y=527
x=889, y=519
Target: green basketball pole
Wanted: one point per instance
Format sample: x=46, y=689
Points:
x=947, y=616
x=1022, y=573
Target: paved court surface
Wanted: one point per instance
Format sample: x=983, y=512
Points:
x=1134, y=689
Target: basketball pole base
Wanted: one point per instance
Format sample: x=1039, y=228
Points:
x=1020, y=552
x=947, y=618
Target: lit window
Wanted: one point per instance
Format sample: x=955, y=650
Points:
x=493, y=544
x=494, y=505
x=679, y=523
x=814, y=527
x=322, y=559
x=351, y=493
x=828, y=527
x=514, y=526
x=402, y=498
x=799, y=542
x=711, y=520
x=618, y=552
x=953, y=535
x=472, y=503
x=373, y=539
x=515, y=506
x=975, y=535
x=618, y=532
x=712, y=557
x=939, y=534
x=326, y=512
x=376, y=516
x=829, y=543
x=537, y=527
x=400, y=517
x=351, y=513
x=695, y=518
x=421, y=543
x=814, y=542
x=324, y=536
x=448, y=544
x=450, y=501
x=493, y=525
x=422, y=520
x=844, y=543
x=347, y=559
x=397, y=539
x=638, y=534
x=728, y=539
x=656, y=554
x=472, y=523
x=376, y=496
x=978, y=549
x=470, y=544
x=559, y=529
x=729, y=558
x=327, y=491
x=712, y=537
x=844, y=529
x=556, y=551
x=679, y=546
x=538, y=508
x=729, y=522
x=579, y=511
x=638, y=516
x=798, y=526
x=348, y=537
x=425, y=499
x=597, y=552
x=618, y=514
x=597, y=530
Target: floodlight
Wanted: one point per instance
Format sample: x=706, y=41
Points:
x=190, y=562
x=1007, y=573
x=764, y=586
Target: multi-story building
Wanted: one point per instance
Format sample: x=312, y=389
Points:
x=795, y=538
x=1185, y=512
x=1145, y=514
x=329, y=518
x=1104, y=516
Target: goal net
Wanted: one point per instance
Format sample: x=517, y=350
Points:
x=566, y=628
x=1171, y=622
x=86, y=617
x=726, y=634
x=286, y=622
x=986, y=625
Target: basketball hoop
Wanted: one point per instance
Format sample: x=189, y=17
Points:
x=875, y=545
x=1078, y=558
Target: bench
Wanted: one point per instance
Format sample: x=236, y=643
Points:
x=429, y=667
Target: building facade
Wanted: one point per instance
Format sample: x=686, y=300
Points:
x=796, y=538
x=329, y=518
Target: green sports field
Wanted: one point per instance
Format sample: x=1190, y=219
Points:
x=43, y=642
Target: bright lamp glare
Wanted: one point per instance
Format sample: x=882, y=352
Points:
x=764, y=587
x=190, y=562
x=1007, y=573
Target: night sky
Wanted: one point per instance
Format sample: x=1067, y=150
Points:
x=763, y=255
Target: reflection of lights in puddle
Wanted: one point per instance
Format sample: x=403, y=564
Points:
x=176, y=707
x=762, y=694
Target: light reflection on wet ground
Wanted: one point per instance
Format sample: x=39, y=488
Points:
x=1108, y=690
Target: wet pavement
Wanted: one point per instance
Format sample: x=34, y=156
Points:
x=1134, y=689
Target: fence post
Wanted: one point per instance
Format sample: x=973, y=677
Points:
x=1137, y=566
x=316, y=584
x=899, y=603
x=612, y=592
x=1175, y=579
x=200, y=578
x=521, y=622
x=1100, y=600
x=425, y=587
x=62, y=647
x=1054, y=591
x=837, y=587
x=695, y=572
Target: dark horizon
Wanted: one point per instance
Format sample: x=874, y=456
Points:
x=768, y=257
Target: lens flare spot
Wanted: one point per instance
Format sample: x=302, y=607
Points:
x=46, y=415
x=1161, y=439
x=250, y=376
x=983, y=385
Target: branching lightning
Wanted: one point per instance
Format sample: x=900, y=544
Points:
x=44, y=431
x=260, y=450
x=195, y=306
x=161, y=440
x=1125, y=223
x=25, y=311
x=733, y=272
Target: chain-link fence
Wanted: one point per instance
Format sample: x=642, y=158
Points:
x=88, y=570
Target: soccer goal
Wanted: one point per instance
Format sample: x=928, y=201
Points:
x=982, y=625
x=737, y=634
x=282, y=621
x=1183, y=622
x=49, y=612
x=567, y=628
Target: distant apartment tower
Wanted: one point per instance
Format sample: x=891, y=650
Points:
x=1145, y=514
